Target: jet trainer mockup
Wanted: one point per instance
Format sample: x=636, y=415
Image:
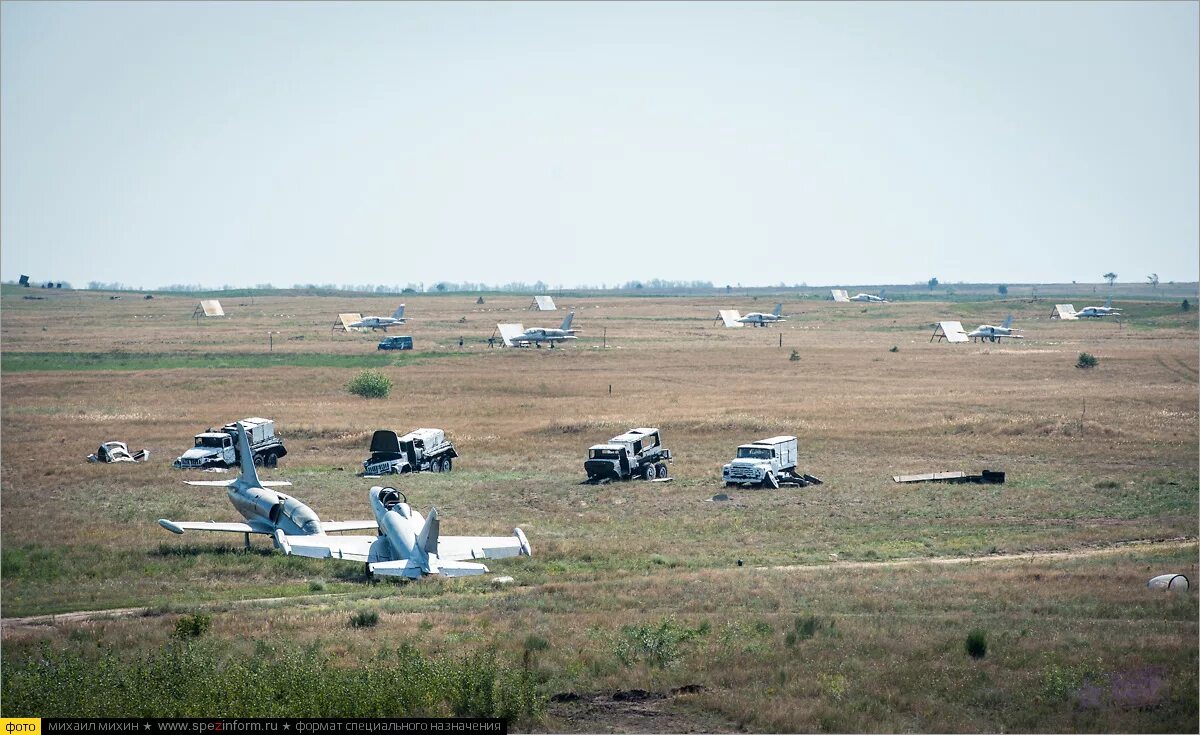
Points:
x=759, y=319
x=995, y=334
x=266, y=511
x=410, y=545
x=381, y=322
x=1095, y=312
x=515, y=335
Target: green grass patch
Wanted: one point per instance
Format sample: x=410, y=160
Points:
x=198, y=678
x=20, y=362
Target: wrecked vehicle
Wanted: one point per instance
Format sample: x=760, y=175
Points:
x=420, y=450
x=767, y=463
x=110, y=452
x=636, y=453
x=220, y=448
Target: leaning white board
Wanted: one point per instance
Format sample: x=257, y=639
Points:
x=730, y=317
x=509, y=332
x=545, y=303
x=212, y=307
x=954, y=331
x=840, y=295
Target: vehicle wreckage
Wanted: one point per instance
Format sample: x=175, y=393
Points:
x=110, y=452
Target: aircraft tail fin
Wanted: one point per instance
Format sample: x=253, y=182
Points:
x=399, y=312
x=778, y=311
x=566, y=325
x=249, y=475
x=1007, y=322
x=428, y=538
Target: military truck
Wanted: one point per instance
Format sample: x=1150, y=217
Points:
x=420, y=450
x=219, y=448
x=767, y=463
x=636, y=453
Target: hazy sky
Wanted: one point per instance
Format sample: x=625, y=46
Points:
x=226, y=143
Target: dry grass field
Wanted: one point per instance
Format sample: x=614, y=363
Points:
x=636, y=586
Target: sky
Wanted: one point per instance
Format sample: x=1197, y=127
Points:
x=580, y=143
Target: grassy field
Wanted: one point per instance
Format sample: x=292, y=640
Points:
x=632, y=586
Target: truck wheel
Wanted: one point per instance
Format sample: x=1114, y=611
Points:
x=258, y=460
x=648, y=472
x=771, y=481
x=660, y=469
x=446, y=465
x=271, y=460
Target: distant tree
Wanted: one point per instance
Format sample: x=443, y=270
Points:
x=1110, y=277
x=1153, y=279
x=1185, y=306
x=1002, y=289
x=933, y=283
x=441, y=287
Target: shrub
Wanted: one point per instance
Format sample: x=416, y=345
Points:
x=795, y=356
x=370, y=384
x=364, y=619
x=660, y=645
x=192, y=626
x=1185, y=306
x=536, y=643
x=1087, y=360
x=1002, y=290
x=976, y=643
x=894, y=349
x=316, y=585
x=803, y=628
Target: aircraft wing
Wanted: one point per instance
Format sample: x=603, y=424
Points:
x=348, y=525
x=351, y=548
x=458, y=548
x=399, y=568
x=181, y=526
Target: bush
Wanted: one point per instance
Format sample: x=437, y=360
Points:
x=894, y=349
x=660, y=645
x=192, y=626
x=316, y=585
x=364, y=619
x=1002, y=290
x=1185, y=306
x=1086, y=360
x=370, y=384
x=804, y=628
x=976, y=643
x=795, y=356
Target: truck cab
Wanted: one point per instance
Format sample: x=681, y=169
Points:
x=416, y=451
x=762, y=462
x=211, y=448
x=636, y=453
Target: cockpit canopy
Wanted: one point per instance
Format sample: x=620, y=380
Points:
x=298, y=513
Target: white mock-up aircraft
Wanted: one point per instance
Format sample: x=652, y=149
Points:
x=515, y=335
x=759, y=319
x=381, y=322
x=869, y=298
x=1095, y=312
x=995, y=334
x=409, y=545
x=266, y=511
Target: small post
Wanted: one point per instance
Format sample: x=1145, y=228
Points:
x=605, y=346
x=270, y=341
x=1082, y=417
x=781, y=340
x=610, y=389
